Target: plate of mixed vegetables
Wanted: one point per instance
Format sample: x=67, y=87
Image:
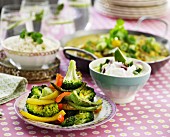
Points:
x=66, y=104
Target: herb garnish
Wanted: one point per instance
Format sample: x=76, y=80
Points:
x=39, y=16
x=36, y=36
x=59, y=8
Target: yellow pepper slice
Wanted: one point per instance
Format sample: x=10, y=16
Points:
x=42, y=119
x=116, y=43
x=39, y=102
x=51, y=96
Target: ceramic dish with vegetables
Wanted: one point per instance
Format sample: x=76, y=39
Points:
x=66, y=104
x=150, y=48
x=119, y=77
x=30, y=50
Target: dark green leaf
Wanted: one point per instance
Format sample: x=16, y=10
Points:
x=23, y=34
x=59, y=9
x=119, y=31
x=146, y=48
x=39, y=41
x=131, y=39
x=39, y=16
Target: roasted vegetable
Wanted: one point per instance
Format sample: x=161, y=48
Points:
x=39, y=91
x=66, y=90
x=92, y=108
x=46, y=91
x=42, y=110
x=59, y=88
x=73, y=79
x=36, y=91
x=35, y=101
x=50, y=96
x=42, y=119
x=68, y=121
x=80, y=118
x=83, y=96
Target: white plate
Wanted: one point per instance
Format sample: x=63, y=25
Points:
x=129, y=12
x=107, y=112
x=136, y=3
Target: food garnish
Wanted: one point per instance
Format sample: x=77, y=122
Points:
x=36, y=36
x=59, y=8
x=120, y=66
x=68, y=101
x=39, y=16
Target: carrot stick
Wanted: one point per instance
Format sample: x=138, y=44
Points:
x=59, y=80
x=61, y=96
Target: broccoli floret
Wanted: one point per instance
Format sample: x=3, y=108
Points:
x=87, y=93
x=39, y=91
x=42, y=110
x=68, y=121
x=35, y=92
x=80, y=118
x=83, y=117
x=83, y=96
x=73, y=79
x=46, y=91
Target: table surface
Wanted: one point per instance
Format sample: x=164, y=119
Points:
x=148, y=115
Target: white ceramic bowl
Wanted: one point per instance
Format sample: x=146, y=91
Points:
x=120, y=89
x=27, y=59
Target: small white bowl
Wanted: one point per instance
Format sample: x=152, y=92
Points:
x=26, y=59
x=119, y=89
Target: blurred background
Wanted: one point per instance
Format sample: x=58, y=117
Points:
x=5, y=2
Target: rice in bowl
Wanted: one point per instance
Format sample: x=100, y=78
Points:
x=28, y=54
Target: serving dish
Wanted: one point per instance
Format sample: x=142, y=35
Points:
x=120, y=89
x=107, y=112
x=83, y=63
x=27, y=54
x=32, y=75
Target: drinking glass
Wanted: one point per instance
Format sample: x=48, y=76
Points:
x=12, y=21
x=82, y=8
x=59, y=22
x=37, y=9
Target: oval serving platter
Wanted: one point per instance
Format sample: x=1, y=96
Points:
x=108, y=111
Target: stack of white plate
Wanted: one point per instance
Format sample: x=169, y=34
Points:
x=131, y=9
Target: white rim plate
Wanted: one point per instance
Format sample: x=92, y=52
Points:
x=107, y=112
x=136, y=3
x=131, y=13
x=129, y=9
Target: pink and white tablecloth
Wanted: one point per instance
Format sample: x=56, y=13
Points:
x=147, y=116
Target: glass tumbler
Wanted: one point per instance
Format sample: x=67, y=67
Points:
x=60, y=21
x=12, y=21
x=82, y=7
x=37, y=9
